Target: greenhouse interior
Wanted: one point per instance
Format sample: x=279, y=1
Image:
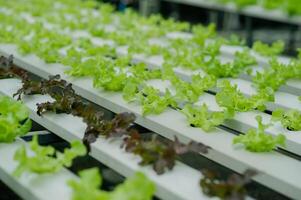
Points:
x=150, y=99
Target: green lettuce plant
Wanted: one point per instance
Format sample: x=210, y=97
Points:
x=153, y=102
x=276, y=74
x=290, y=119
x=138, y=187
x=108, y=79
x=131, y=89
x=200, y=116
x=235, y=40
x=232, y=98
x=45, y=159
x=191, y=91
x=265, y=50
x=256, y=140
x=14, y=119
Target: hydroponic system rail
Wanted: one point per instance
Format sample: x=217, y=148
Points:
x=102, y=63
x=250, y=11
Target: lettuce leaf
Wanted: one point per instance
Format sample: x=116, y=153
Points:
x=45, y=159
x=138, y=187
x=256, y=140
x=276, y=74
x=154, y=103
x=265, y=50
x=161, y=154
x=190, y=92
x=14, y=119
x=290, y=119
x=200, y=116
x=232, y=187
x=232, y=98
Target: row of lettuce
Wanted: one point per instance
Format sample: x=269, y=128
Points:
x=159, y=153
x=15, y=122
x=291, y=7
